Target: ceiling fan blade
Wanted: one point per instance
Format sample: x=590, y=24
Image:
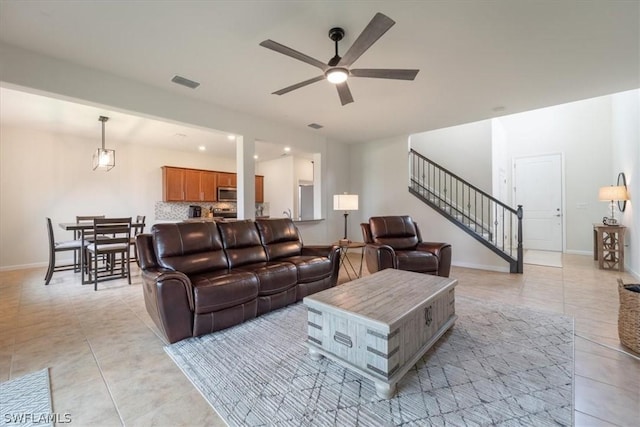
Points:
x=280, y=48
x=298, y=85
x=380, y=73
x=344, y=93
x=379, y=25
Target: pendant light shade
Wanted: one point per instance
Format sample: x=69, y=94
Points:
x=104, y=159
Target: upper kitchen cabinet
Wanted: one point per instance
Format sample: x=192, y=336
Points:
x=188, y=185
x=259, y=189
x=199, y=186
x=227, y=179
x=173, y=180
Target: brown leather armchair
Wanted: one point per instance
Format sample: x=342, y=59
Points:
x=395, y=242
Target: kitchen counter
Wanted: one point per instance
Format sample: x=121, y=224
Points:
x=204, y=219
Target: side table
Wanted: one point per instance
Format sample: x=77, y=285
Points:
x=608, y=249
x=346, y=263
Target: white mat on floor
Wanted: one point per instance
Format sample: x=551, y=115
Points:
x=545, y=258
x=498, y=365
x=26, y=401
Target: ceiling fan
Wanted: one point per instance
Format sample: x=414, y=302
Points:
x=337, y=70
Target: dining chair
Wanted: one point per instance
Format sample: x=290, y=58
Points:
x=112, y=237
x=137, y=229
x=88, y=234
x=64, y=246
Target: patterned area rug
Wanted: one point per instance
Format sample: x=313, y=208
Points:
x=26, y=401
x=498, y=365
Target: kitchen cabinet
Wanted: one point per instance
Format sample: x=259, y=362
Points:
x=199, y=186
x=196, y=185
x=173, y=184
x=227, y=179
x=188, y=185
x=259, y=189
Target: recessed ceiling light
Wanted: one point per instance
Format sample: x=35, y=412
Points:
x=499, y=108
x=287, y=149
x=231, y=137
x=202, y=148
x=255, y=156
x=315, y=126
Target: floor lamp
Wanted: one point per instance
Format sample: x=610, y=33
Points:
x=345, y=202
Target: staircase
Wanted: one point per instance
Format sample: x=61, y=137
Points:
x=485, y=218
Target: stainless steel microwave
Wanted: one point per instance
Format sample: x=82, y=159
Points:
x=227, y=194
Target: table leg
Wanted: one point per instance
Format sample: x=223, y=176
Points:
x=384, y=390
x=314, y=354
x=83, y=261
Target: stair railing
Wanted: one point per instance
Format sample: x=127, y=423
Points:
x=485, y=218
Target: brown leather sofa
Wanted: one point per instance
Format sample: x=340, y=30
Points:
x=395, y=242
x=200, y=277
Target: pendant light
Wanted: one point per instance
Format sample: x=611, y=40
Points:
x=103, y=159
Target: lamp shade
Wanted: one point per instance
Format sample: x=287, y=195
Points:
x=345, y=202
x=613, y=193
x=104, y=159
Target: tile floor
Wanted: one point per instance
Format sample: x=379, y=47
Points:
x=108, y=366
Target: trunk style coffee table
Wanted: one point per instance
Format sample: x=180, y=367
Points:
x=382, y=324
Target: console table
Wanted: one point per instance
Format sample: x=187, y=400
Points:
x=608, y=246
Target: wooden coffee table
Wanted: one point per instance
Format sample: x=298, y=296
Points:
x=382, y=324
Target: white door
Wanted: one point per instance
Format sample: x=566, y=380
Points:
x=538, y=188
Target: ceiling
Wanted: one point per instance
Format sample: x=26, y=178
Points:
x=477, y=59
x=47, y=114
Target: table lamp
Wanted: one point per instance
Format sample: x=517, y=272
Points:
x=612, y=194
x=345, y=202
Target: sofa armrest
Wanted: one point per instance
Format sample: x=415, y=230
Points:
x=378, y=257
x=168, y=296
x=330, y=251
x=442, y=251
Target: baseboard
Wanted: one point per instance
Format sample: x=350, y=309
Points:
x=481, y=267
x=26, y=266
x=576, y=252
x=632, y=272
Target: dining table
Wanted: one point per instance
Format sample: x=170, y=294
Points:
x=82, y=227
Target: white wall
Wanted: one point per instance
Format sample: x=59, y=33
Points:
x=278, y=185
x=501, y=164
x=380, y=175
x=582, y=132
x=626, y=158
x=464, y=150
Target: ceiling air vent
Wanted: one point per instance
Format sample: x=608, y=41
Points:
x=185, y=82
x=315, y=126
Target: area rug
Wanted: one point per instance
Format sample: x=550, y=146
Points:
x=26, y=401
x=498, y=365
x=544, y=258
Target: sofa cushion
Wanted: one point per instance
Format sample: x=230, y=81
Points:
x=189, y=247
x=219, y=290
x=420, y=262
x=311, y=268
x=273, y=277
x=241, y=243
x=280, y=237
x=399, y=232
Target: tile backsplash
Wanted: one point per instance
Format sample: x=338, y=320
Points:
x=179, y=211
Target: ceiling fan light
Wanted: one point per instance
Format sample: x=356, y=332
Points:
x=337, y=75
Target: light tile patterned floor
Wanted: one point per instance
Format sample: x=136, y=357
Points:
x=108, y=366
